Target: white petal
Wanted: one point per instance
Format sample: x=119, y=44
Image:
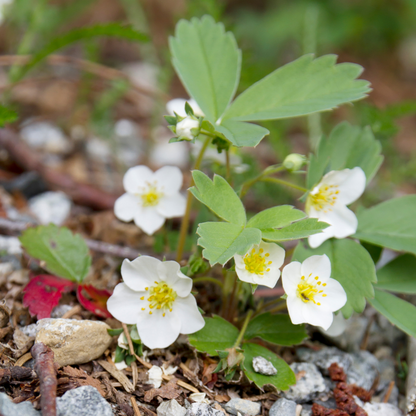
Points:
x=338, y=326
x=170, y=272
x=316, y=266
x=295, y=308
x=149, y=220
x=186, y=311
x=316, y=240
x=277, y=255
x=291, y=277
x=244, y=275
x=156, y=330
x=172, y=206
x=343, y=221
x=169, y=179
x=177, y=105
x=197, y=109
x=269, y=279
x=301, y=312
x=335, y=297
x=126, y=207
x=136, y=177
x=140, y=273
x=351, y=183
x=124, y=304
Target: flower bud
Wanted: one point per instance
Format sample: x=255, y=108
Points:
x=184, y=128
x=294, y=162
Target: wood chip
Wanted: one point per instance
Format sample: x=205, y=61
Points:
x=168, y=391
x=118, y=375
x=76, y=309
x=135, y=407
x=23, y=359
x=81, y=378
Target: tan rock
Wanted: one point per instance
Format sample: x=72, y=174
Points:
x=73, y=341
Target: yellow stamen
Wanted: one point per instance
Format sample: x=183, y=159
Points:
x=255, y=262
x=162, y=296
x=323, y=198
x=151, y=195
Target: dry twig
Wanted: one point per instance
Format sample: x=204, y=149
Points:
x=46, y=371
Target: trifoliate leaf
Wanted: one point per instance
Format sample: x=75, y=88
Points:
x=396, y=310
x=351, y=265
x=222, y=240
x=65, y=254
x=219, y=197
x=346, y=147
x=304, y=86
x=285, y=376
x=277, y=329
x=276, y=217
x=242, y=134
x=208, y=62
x=217, y=335
x=398, y=275
x=390, y=224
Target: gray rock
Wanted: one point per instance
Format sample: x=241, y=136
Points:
x=202, y=409
x=325, y=357
x=60, y=310
x=245, y=407
x=263, y=366
x=306, y=410
x=309, y=385
x=171, y=408
x=83, y=401
x=8, y=408
x=283, y=407
x=364, y=369
x=382, y=409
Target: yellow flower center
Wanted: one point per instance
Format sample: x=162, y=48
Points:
x=161, y=296
x=323, y=199
x=256, y=262
x=309, y=288
x=151, y=196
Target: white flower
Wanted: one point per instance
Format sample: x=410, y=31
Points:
x=151, y=197
x=260, y=265
x=184, y=128
x=156, y=297
x=328, y=202
x=177, y=106
x=312, y=295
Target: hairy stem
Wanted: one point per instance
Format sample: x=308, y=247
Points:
x=269, y=171
x=243, y=329
x=185, y=222
x=282, y=182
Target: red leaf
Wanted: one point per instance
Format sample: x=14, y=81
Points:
x=43, y=293
x=98, y=300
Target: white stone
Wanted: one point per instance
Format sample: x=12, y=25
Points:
x=73, y=341
x=381, y=409
x=246, y=407
x=11, y=245
x=170, y=408
x=51, y=207
x=263, y=366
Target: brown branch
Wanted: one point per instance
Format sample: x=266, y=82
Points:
x=46, y=371
x=80, y=193
x=15, y=373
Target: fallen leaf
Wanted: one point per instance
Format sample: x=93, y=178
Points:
x=96, y=302
x=81, y=378
x=168, y=391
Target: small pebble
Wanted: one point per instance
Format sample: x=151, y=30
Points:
x=283, y=407
x=381, y=409
x=245, y=407
x=8, y=408
x=263, y=366
x=170, y=408
x=202, y=409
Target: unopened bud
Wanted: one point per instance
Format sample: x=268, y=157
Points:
x=294, y=162
x=187, y=128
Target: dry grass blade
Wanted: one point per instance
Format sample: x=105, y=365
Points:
x=118, y=375
x=131, y=349
x=135, y=407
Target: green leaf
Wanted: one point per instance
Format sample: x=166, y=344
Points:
x=242, y=134
x=89, y=32
x=208, y=62
x=219, y=197
x=284, y=378
x=217, y=335
x=295, y=231
x=351, y=265
x=396, y=310
x=390, y=224
x=277, y=329
x=304, y=86
x=276, y=217
x=114, y=332
x=120, y=354
x=398, y=275
x=346, y=147
x=65, y=254
x=7, y=115
x=222, y=240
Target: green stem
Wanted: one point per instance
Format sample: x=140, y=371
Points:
x=282, y=182
x=208, y=279
x=267, y=304
x=227, y=165
x=278, y=308
x=185, y=222
x=269, y=171
x=243, y=329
